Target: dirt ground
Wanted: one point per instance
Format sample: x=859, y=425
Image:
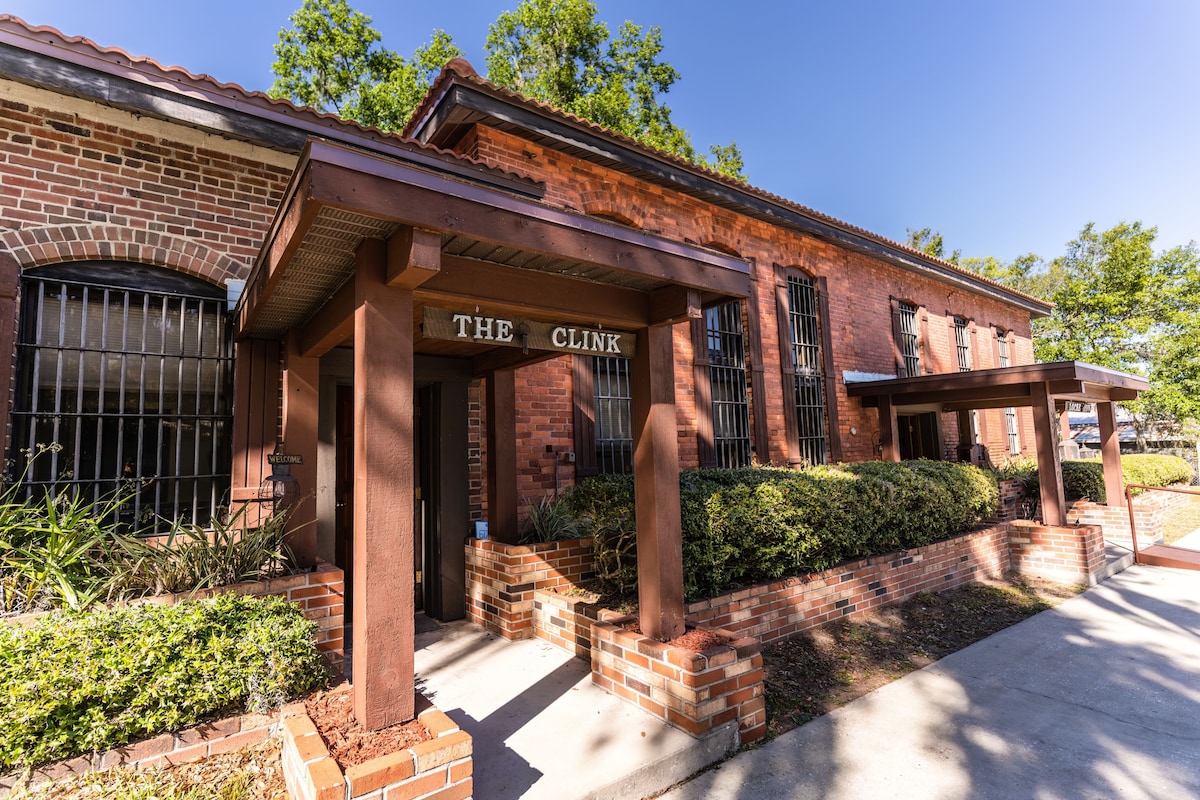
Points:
x=820, y=670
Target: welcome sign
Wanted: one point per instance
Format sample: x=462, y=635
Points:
x=461, y=326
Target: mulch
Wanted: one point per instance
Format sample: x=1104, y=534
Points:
x=697, y=639
x=349, y=742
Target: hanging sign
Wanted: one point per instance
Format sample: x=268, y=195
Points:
x=458, y=326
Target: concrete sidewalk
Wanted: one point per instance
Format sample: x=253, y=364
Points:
x=542, y=729
x=1097, y=698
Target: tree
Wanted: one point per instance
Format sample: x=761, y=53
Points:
x=1119, y=304
x=331, y=59
x=555, y=51
x=930, y=242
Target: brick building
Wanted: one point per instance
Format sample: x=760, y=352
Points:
x=501, y=301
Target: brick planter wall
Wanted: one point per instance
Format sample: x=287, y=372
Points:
x=441, y=767
x=1067, y=554
x=1150, y=509
x=695, y=691
x=565, y=621
x=501, y=579
x=190, y=744
x=777, y=610
x=320, y=594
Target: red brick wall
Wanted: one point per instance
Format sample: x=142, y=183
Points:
x=501, y=579
x=860, y=291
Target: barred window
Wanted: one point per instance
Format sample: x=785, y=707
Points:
x=124, y=373
x=910, y=342
x=962, y=344
x=614, y=414
x=727, y=373
x=810, y=378
x=1010, y=413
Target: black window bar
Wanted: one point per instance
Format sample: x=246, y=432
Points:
x=910, y=343
x=614, y=415
x=1010, y=413
x=125, y=384
x=727, y=376
x=962, y=344
x=810, y=378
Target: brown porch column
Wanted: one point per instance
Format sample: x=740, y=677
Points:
x=501, y=402
x=255, y=406
x=1110, y=452
x=383, y=675
x=1045, y=431
x=656, y=485
x=889, y=445
x=301, y=400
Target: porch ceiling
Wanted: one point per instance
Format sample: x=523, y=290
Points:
x=340, y=197
x=1003, y=387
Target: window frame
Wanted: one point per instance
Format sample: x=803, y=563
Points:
x=788, y=365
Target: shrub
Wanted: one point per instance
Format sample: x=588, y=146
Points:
x=73, y=683
x=1084, y=479
x=551, y=520
x=746, y=526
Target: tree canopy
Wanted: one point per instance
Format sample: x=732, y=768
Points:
x=556, y=51
x=1117, y=303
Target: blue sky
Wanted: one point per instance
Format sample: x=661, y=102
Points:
x=1007, y=125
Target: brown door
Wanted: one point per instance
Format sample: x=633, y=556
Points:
x=343, y=534
x=918, y=436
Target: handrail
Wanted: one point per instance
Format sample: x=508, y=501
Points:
x=1129, y=504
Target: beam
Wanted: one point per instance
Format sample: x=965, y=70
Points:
x=672, y=304
x=358, y=182
x=384, y=482
x=414, y=255
x=889, y=445
x=331, y=325
x=301, y=402
x=1045, y=430
x=507, y=359
x=1110, y=453
x=501, y=401
x=467, y=283
x=656, y=485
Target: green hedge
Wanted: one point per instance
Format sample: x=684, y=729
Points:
x=747, y=526
x=74, y=683
x=1085, y=479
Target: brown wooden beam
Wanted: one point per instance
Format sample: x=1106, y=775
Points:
x=301, y=402
x=1054, y=504
x=889, y=445
x=465, y=283
x=414, y=256
x=1110, y=453
x=673, y=304
x=1008, y=395
x=384, y=506
x=284, y=240
x=508, y=358
x=979, y=405
x=332, y=325
x=358, y=182
x=656, y=485
x=501, y=401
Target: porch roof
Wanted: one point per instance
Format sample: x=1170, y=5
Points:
x=1003, y=387
x=500, y=251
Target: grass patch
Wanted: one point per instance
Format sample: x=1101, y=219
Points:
x=1182, y=521
x=820, y=670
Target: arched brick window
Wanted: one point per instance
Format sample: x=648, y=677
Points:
x=126, y=369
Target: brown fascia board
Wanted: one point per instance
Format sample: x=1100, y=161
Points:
x=46, y=58
x=455, y=96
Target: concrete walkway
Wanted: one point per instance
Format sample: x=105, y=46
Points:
x=1097, y=698
x=541, y=729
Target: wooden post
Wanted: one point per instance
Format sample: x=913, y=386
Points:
x=656, y=485
x=501, y=401
x=301, y=404
x=889, y=445
x=1110, y=452
x=255, y=405
x=383, y=676
x=10, y=280
x=1045, y=432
